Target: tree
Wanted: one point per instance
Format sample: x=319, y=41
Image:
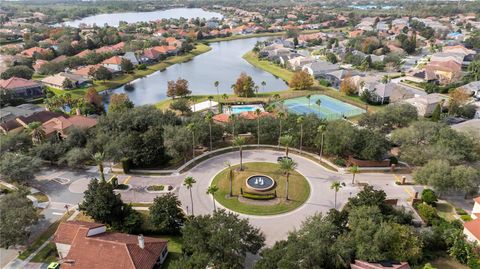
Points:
x=75, y=157
x=166, y=214
x=126, y=65
x=239, y=141
x=230, y=178
x=216, y=84
x=301, y=80
x=346, y=86
x=437, y=112
x=16, y=167
x=336, y=186
x=36, y=131
x=191, y=127
x=466, y=178
x=244, y=86
x=19, y=71
x=181, y=105
x=209, y=120
x=67, y=84
x=177, y=142
x=178, y=88
x=473, y=70
x=98, y=158
x=300, y=121
x=102, y=204
x=458, y=98
x=331, y=57
x=258, y=113
x=436, y=173
x=286, y=141
x=17, y=215
x=188, y=183
x=287, y=166
x=280, y=116
x=119, y=102
x=321, y=130
x=212, y=190
x=92, y=97
x=223, y=239
x=429, y=197
x=353, y=170
x=102, y=73
x=264, y=84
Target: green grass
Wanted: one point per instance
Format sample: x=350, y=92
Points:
x=41, y=197
x=47, y=255
x=277, y=71
x=299, y=189
x=235, y=37
x=120, y=80
x=155, y=188
x=447, y=263
x=446, y=211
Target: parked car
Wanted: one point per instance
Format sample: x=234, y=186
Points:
x=279, y=159
x=54, y=265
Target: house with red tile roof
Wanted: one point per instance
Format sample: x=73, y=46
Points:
x=31, y=52
x=166, y=50
x=471, y=229
x=62, y=125
x=87, y=245
x=22, y=88
x=114, y=63
x=83, y=53
x=18, y=124
x=150, y=55
x=172, y=41
x=38, y=64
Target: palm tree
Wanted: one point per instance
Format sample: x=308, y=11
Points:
x=212, y=190
x=318, y=103
x=230, y=177
x=321, y=129
x=216, y=83
x=191, y=128
x=309, y=97
x=209, y=120
x=239, y=142
x=258, y=112
x=264, y=84
x=353, y=170
x=210, y=98
x=336, y=186
x=300, y=121
x=98, y=158
x=232, y=119
x=286, y=141
x=188, y=182
x=255, y=88
x=385, y=79
x=276, y=96
x=281, y=115
x=225, y=97
x=287, y=166
x=36, y=131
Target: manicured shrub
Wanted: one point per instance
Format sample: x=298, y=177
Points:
x=466, y=217
x=142, y=67
x=429, y=197
x=427, y=213
x=340, y=162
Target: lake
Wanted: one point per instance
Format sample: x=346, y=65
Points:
x=113, y=19
x=223, y=63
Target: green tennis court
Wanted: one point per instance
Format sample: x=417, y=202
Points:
x=323, y=106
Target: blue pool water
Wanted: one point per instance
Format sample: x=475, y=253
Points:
x=329, y=109
x=240, y=109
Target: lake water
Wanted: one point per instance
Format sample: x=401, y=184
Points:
x=113, y=19
x=223, y=63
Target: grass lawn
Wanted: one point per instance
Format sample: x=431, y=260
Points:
x=235, y=37
x=117, y=81
x=447, y=263
x=47, y=255
x=299, y=189
x=446, y=211
x=41, y=197
x=278, y=71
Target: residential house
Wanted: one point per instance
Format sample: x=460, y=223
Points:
x=83, y=53
x=22, y=88
x=31, y=52
x=166, y=50
x=113, y=63
x=62, y=125
x=299, y=62
x=86, y=71
x=444, y=72
x=319, y=68
x=426, y=104
x=58, y=80
x=173, y=42
x=131, y=56
x=12, y=112
x=19, y=123
x=150, y=55
x=471, y=229
x=335, y=77
x=89, y=245
x=38, y=64
x=473, y=88
x=379, y=92
x=379, y=265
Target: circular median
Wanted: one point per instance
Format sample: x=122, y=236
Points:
x=260, y=189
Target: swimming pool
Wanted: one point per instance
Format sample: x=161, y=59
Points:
x=244, y=108
x=329, y=108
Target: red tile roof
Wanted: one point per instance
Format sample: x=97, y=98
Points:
x=221, y=118
x=473, y=227
x=31, y=51
x=83, y=53
x=113, y=60
x=67, y=231
x=14, y=83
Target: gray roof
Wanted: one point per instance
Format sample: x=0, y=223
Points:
x=322, y=67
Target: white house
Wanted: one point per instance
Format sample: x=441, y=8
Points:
x=425, y=105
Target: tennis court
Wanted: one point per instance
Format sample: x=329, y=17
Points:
x=329, y=108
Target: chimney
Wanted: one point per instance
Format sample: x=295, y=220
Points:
x=141, y=241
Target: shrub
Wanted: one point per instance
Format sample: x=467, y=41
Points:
x=156, y=188
x=121, y=187
x=427, y=213
x=255, y=196
x=460, y=211
x=324, y=82
x=142, y=67
x=429, y=197
x=466, y=217
x=340, y=162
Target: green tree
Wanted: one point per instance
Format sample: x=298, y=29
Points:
x=126, y=65
x=244, y=86
x=166, y=214
x=474, y=70
x=177, y=142
x=188, y=183
x=17, y=215
x=336, y=186
x=75, y=157
x=36, y=131
x=300, y=121
x=222, y=237
x=239, y=142
x=258, y=113
x=191, y=127
x=230, y=178
x=16, y=167
x=212, y=190
x=437, y=112
x=119, y=102
x=287, y=166
x=216, y=84
x=429, y=197
x=353, y=170
x=181, y=105
x=102, y=73
x=287, y=142
x=98, y=158
x=20, y=71
x=209, y=120
x=436, y=173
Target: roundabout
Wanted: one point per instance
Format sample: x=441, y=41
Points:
x=260, y=189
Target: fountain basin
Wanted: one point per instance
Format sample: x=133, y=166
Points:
x=260, y=183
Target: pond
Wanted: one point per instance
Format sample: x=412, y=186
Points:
x=113, y=19
x=223, y=63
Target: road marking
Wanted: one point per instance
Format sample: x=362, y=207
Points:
x=126, y=180
x=409, y=192
x=110, y=180
x=58, y=213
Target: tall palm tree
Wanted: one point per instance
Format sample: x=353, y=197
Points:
x=258, y=112
x=385, y=79
x=353, y=170
x=287, y=166
x=280, y=115
x=210, y=98
x=264, y=84
x=232, y=119
x=336, y=186
x=300, y=121
x=212, y=190
x=191, y=128
x=239, y=142
x=321, y=129
x=36, y=131
x=230, y=177
x=209, y=120
x=98, y=158
x=188, y=182
x=318, y=103
x=255, y=88
x=309, y=97
x=286, y=141
x=276, y=96
x=225, y=97
x=216, y=83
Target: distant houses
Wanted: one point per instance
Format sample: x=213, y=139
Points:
x=65, y=81
x=22, y=88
